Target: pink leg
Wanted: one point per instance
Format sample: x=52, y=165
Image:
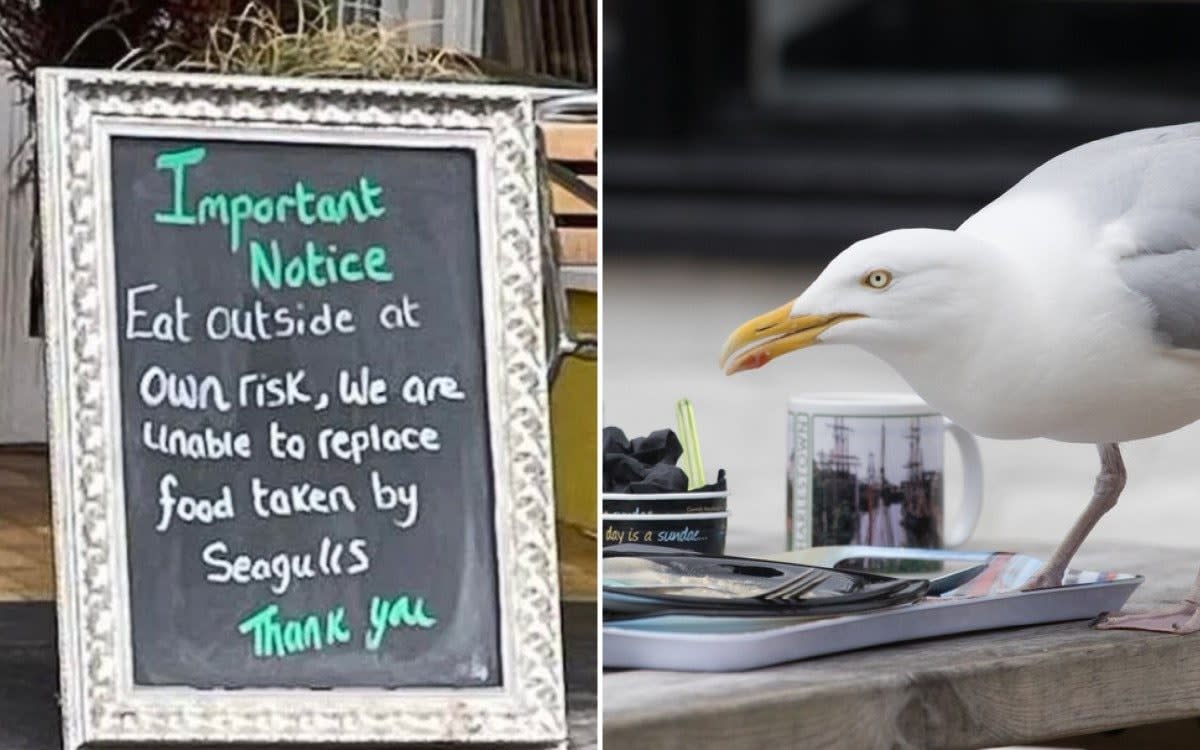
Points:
x=1109, y=483
x=1181, y=618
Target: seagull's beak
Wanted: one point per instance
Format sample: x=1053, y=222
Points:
x=779, y=333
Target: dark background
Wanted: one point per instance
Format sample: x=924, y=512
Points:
x=781, y=129
x=184, y=627
x=747, y=143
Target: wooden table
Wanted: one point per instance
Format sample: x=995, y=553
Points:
x=1002, y=687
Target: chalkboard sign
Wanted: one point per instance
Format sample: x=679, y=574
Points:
x=304, y=408
x=299, y=428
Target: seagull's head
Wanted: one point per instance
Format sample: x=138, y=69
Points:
x=895, y=294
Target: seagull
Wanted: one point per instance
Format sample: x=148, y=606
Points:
x=1068, y=308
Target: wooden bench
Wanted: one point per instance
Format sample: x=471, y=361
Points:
x=573, y=146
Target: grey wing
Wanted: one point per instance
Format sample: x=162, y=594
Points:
x=1156, y=235
x=1132, y=193
x=1171, y=284
x=1134, y=197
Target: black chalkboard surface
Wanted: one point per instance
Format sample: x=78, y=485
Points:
x=305, y=436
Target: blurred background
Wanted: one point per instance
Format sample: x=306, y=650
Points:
x=747, y=143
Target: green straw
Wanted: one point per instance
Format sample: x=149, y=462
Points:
x=693, y=464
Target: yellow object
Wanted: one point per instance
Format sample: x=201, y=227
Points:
x=574, y=426
x=685, y=417
x=572, y=147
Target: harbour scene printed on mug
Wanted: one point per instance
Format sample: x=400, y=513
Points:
x=865, y=480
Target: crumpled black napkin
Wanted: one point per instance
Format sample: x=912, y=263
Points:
x=646, y=465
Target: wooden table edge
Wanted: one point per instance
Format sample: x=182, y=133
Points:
x=992, y=688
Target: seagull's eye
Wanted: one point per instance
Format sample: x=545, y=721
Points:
x=878, y=279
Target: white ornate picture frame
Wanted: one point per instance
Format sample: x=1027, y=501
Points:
x=77, y=112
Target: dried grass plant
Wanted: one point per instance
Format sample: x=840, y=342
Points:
x=310, y=42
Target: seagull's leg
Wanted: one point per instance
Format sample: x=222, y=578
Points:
x=1109, y=483
x=1181, y=618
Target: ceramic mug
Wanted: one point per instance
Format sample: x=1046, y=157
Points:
x=867, y=468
